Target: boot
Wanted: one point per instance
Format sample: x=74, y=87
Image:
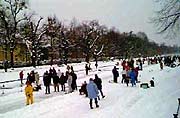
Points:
x=96, y=102
x=91, y=104
x=97, y=105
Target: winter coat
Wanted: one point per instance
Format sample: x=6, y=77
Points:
x=74, y=78
x=136, y=71
x=59, y=73
x=36, y=77
x=21, y=75
x=92, y=90
x=98, y=82
x=115, y=73
x=62, y=80
x=69, y=81
x=124, y=72
x=132, y=75
x=29, y=91
x=46, y=79
x=55, y=79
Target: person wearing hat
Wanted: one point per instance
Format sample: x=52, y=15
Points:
x=29, y=93
x=92, y=92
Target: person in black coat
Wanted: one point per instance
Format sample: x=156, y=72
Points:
x=115, y=74
x=87, y=69
x=47, y=82
x=74, y=78
x=62, y=81
x=98, y=82
x=56, y=82
x=83, y=89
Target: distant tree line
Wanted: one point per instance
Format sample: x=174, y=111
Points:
x=50, y=39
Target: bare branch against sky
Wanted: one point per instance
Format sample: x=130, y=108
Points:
x=126, y=15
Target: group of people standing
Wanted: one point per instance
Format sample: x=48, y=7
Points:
x=129, y=73
x=59, y=78
x=92, y=89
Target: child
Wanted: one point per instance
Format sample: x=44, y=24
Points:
x=29, y=93
x=152, y=82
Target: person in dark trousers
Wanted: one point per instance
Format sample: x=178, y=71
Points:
x=161, y=65
x=32, y=77
x=136, y=70
x=62, y=81
x=56, y=83
x=87, y=69
x=92, y=92
x=74, y=78
x=47, y=82
x=83, y=89
x=98, y=82
x=115, y=74
x=21, y=76
x=124, y=73
x=132, y=75
x=152, y=82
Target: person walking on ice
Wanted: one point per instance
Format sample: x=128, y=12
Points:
x=92, y=92
x=29, y=93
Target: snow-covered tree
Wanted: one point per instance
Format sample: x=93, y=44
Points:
x=90, y=34
x=167, y=18
x=32, y=34
x=11, y=15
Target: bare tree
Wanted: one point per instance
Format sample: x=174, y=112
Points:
x=167, y=19
x=11, y=14
x=90, y=34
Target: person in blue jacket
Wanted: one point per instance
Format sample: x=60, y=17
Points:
x=92, y=92
x=132, y=75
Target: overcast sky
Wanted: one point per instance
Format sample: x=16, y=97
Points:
x=125, y=15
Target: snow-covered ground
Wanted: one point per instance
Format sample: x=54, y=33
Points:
x=120, y=101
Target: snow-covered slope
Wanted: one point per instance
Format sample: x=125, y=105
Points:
x=120, y=101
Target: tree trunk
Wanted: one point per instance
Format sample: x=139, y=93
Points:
x=12, y=57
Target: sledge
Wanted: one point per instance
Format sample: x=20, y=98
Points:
x=144, y=85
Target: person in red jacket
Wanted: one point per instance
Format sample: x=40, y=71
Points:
x=21, y=76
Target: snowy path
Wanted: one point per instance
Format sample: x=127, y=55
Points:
x=120, y=101
x=12, y=104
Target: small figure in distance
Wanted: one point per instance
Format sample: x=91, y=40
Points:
x=152, y=82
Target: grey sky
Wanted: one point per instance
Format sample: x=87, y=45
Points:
x=125, y=15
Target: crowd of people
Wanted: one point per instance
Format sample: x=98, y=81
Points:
x=93, y=89
x=129, y=72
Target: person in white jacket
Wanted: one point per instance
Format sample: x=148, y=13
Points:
x=59, y=73
x=124, y=74
x=69, y=82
